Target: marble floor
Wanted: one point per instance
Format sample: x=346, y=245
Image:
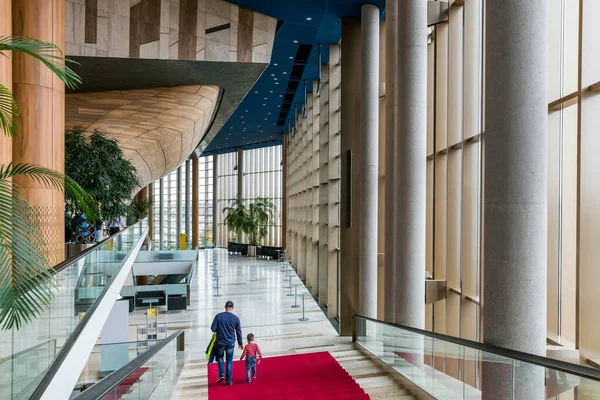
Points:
x=259, y=292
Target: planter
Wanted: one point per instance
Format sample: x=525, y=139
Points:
x=251, y=251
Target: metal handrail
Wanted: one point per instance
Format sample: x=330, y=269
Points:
x=570, y=368
x=74, y=335
x=101, y=388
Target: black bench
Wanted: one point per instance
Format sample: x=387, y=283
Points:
x=241, y=248
x=269, y=252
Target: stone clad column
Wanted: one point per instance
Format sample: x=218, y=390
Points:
x=188, y=189
x=391, y=159
x=515, y=217
x=370, y=160
x=215, y=219
x=195, y=200
x=410, y=187
x=40, y=96
x=240, y=186
x=351, y=172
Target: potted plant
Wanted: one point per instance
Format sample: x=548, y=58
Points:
x=99, y=163
x=252, y=220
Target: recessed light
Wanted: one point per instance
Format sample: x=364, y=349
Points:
x=243, y=122
x=291, y=58
x=269, y=113
x=277, y=83
x=274, y=79
x=265, y=98
x=270, y=91
x=285, y=73
x=295, y=41
x=265, y=119
x=272, y=74
x=278, y=106
x=246, y=110
x=256, y=91
x=242, y=117
x=273, y=123
x=275, y=64
x=264, y=105
x=279, y=96
x=309, y=18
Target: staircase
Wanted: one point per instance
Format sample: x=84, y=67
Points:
x=374, y=380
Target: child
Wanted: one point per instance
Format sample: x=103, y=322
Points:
x=251, y=352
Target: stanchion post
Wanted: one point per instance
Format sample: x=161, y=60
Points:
x=296, y=305
x=303, y=316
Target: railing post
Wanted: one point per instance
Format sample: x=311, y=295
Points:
x=353, y=328
x=181, y=342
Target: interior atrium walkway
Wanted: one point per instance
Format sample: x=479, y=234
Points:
x=259, y=293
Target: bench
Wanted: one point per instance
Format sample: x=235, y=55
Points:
x=269, y=252
x=241, y=248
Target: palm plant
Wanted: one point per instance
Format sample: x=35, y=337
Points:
x=252, y=220
x=25, y=277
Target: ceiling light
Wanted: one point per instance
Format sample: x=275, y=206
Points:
x=285, y=73
x=275, y=64
x=295, y=41
x=274, y=79
x=291, y=58
x=273, y=123
x=277, y=83
x=270, y=91
x=256, y=91
x=265, y=119
x=309, y=18
x=264, y=105
x=279, y=96
x=272, y=74
x=242, y=117
x=243, y=122
x=265, y=98
x=246, y=110
x=269, y=113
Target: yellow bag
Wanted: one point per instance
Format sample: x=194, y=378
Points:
x=211, y=345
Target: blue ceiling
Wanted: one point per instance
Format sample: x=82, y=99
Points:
x=262, y=116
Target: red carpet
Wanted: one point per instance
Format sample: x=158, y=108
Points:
x=312, y=376
x=124, y=386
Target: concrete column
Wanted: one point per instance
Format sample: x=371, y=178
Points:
x=161, y=215
x=351, y=172
x=240, y=185
x=515, y=217
x=284, y=201
x=411, y=138
x=215, y=218
x=370, y=160
x=151, y=213
x=41, y=99
x=188, y=190
x=178, y=200
x=195, y=200
x=391, y=158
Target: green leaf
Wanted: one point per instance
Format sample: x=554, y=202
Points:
x=26, y=284
x=8, y=110
x=73, y=192
x=49, y=54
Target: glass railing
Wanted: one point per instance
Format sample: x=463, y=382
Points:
x=153, y=373
x=451, y=368
x=77, y=285
x=107, y=358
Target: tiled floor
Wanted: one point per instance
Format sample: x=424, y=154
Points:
x=259, y=292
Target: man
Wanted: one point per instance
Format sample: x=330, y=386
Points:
x=115, y=225
x=227, y=326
